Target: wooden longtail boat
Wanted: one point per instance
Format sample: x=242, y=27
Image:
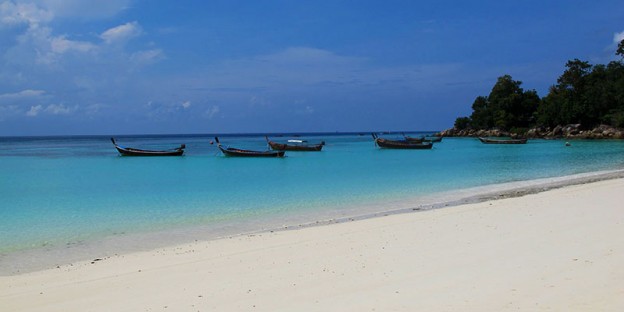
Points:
x=295, y=145
x=400, y=144
x=413, y=139
x=422, y=139
x=128, y=151
x=502, y=141
x=236, y=152
x=433, y=139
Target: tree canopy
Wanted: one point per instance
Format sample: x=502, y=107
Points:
x=507, y=106
x=584, y=94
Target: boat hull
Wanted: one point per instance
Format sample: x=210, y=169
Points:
x=383, y=143
x=295, y=148
x=502, y=141
x=137, y=152
x=128, y=151
x=414, y=140
x=235, y=152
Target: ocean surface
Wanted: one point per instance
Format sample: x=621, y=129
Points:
x=62, y=191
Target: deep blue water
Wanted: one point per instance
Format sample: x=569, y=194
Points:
x=60, y=190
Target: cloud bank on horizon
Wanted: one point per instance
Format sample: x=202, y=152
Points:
x=124, y=66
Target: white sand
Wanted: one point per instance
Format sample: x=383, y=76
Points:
x=561, y=250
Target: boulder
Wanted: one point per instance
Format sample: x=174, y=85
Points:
x=557, y=131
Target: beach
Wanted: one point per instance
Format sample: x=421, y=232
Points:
x=561, y=249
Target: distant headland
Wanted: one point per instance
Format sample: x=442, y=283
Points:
x=587, y=102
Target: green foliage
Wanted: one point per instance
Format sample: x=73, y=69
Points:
x=584, y=94
x=481, y=117
x=507, y=106
x=462, y=123
x=616, y=119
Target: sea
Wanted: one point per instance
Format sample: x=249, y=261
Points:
x=73, y=197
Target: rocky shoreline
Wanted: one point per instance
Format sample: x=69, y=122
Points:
x=572, y=131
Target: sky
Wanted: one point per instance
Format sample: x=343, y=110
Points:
x=75, y=67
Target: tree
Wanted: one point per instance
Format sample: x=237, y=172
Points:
x=585, y=94
x=482, y=117
x=572, y=77
x=565, y=103
x=512, y=106
x=508, y=106
x=549, y=112
x=462, y=123
x=505, y=99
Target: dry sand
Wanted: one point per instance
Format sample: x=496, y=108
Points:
x=560, y=250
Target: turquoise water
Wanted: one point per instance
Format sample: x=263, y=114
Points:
x=58, y=191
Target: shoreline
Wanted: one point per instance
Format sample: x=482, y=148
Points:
x=560, y=132
x=32, y=260
x=481, y=194
x=560, y=249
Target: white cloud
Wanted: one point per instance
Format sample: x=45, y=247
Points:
x=618, y=37
x=61, y=45
x=147, y=57
x=23, y=13
x=212, y=111
x=58, y=109
x=50, y=49
x=311, y=56
x=37, y=44
x=121, y=33
x=22, y=95
x=52, y=109
x=157, y=110
x=34, y=111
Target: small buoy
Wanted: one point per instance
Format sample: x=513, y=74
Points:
x=568, y=144
x=211, y=142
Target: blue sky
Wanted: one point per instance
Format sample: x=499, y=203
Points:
x=149, y=67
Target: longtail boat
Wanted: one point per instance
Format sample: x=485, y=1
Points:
x=295, y=145
x=502, y=141
x=422, y=139
x=236, y=152
x=128, y=151
x=433, y=139
x=400, y=144
x=413, y=139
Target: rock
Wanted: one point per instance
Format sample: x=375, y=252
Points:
x=571, y=131
x=557, y=131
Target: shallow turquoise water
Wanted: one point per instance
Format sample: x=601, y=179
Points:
x=57, y=191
